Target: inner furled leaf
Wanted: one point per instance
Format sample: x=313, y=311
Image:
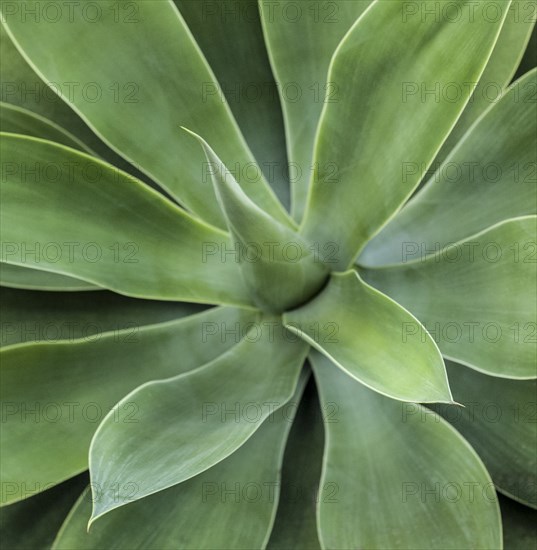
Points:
x=488, y=178
x=279, y=267
x=136, y=98
x=391, y=68
x=301, y=38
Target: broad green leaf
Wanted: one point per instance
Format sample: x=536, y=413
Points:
x=475, y=297
x=488, y=178
x=17, y=276
x=67, y=212
x=383, y=84
x=29, y=316
x=360, y=330
x=245, y=79
x=54, y=395
x=500, y=69
x=301, y=38
x=33, y=523
x=17, y=120
x=519, y=525
x=295, y=525
x=529, y=61
x=280, y=269
x=193, y=421
x=229, y=506
x=499, y=421
x=138, y=111
x=405, y=478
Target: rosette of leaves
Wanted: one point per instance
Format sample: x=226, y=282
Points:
x=205, y=202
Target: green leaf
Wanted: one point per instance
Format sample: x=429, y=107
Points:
x=358, y=181
x=17, y=120
x=301, y=38
x=191, y=422
x=70, y=213
x=134, y=111
x=295, y=525
x=245, y=79
x=54, y=395
x=500, y=69
x=529, y=60
x=18, y=276
x=488, y=178
x=405, y=478
x=499, y=421
x=29, y=316
x=229, y=506
x=360, y=330
x=278, y=266
x=519, y=525
x=33, y=523
x=476, y=298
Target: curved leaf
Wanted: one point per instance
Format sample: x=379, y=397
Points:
x=18, y=276
x=404, y=477
x=360, y=330
x=17, y=120
x=163, y=78
x=488, y=178
x=29, y=316
x=70, y=213
x=499, y=421
x=301, y=38
x=381, y=83
x=245, y=79
x=209, y=413
x=278, y=266
x=229, y=506
x=519, y=525
x=475, y=297
x=55, y=394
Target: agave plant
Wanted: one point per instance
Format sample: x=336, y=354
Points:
x=205, y=202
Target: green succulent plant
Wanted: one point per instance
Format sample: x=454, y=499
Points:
x=205, y=202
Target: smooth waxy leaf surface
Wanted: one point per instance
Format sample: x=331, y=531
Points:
x=136, y=114
x=488, y=178
x=245, y=79
x=295, y=525
x=499, y=422
x=476, y=298
x=360, y=330
x=69, y=213
x=278, y=266
x=381, y=84
x=301, y=38
x=53, y=393
x=208, y=414
x=34, y=522
x=500, y=69
x=17, y=120
x=29, y=316
x=406, y=479
x=231, y=505
x=519, y=525
x=18, y=276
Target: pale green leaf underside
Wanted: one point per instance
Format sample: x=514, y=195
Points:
x=136, y=114
x=499, y=422
x=236, y=498
x=390, y=126
x=360, y=330
x=476, y=297
x=72, y=385
x=198, y=431
x=401, y=475
x=301, y=39
x=19, y=276
x=488, y=178
x=104, y=226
